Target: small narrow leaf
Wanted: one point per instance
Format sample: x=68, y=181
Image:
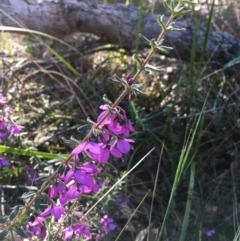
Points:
x=135, y=57
x=169, y=7
x=3, y=219
x=84, y=128
x=37, y=203
x=14, y=213
x=54, y=161
x=3, y=234
x=188, y=2
x=160, y=21
x=136, y=87
x=106, y=100
x=115, y=79
x=153, y=44
x=164, y=49
x=232, y=63
x=27, y=195
x=22, y=233
x=183, y=12
x=149, y=67
x=146, y=39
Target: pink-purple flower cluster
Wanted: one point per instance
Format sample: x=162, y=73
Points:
x=8, y=129
x=80, y=178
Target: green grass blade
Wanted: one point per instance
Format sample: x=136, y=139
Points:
x=231, y=63
x=24, y=152
x=209, y=23
x=189, y=202
x=139, y=24
x=237, y=235
x=182, y=167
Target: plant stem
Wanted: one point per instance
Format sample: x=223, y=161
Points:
x=117, y=101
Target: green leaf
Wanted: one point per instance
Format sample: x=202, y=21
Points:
x=182, y=12
x=171, y=28
x=135, y=87
x=164, y=49
x=146, y=39
x=3, y=234
x=22, y=233
x=14, y=213
x=188, y=2
x=232, y=63
x=170, y=6
x=160, y=21
x=27, y=195
x=54, y=161
x=37, y=203
x=84, y=127
x=153, y=44
x=3, y=219
x=25, y=152
x=115, y=79
x=106, y=100
x=135, y=57
x=149, y=67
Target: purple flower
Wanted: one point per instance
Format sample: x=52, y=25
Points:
x=92, y=149
x=209, y=232
x=32, y=174
x=12, y=128
x=55, y=210
x=2, y=135
x=124, y=146
x=68, y=233
x=79, y=176
x=109, y=149
x=79, y=180
x=9, y=110
x=4, y=162
x=72, y=193
x=107, y=223
x=82, y=230
x=100, y=236
x=2, y=122
x=3, y=100
x=90, y=168
x=122, y=200
x=117, y=123
x=79, y=229
x=37, y=227
x=85, y=179
x=56, y=189
x=129, y=79
x=110, y=119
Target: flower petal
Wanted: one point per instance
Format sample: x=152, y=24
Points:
x=82, y=146
x=46, y=212
x=123, y=146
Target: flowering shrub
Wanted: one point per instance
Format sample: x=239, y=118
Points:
x=78, y=175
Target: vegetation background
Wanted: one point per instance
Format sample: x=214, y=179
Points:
x=190, y=115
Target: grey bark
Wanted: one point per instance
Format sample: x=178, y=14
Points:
x=116, y=23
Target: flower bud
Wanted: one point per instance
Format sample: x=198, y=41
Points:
x=132, y=96
x=129, y=79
